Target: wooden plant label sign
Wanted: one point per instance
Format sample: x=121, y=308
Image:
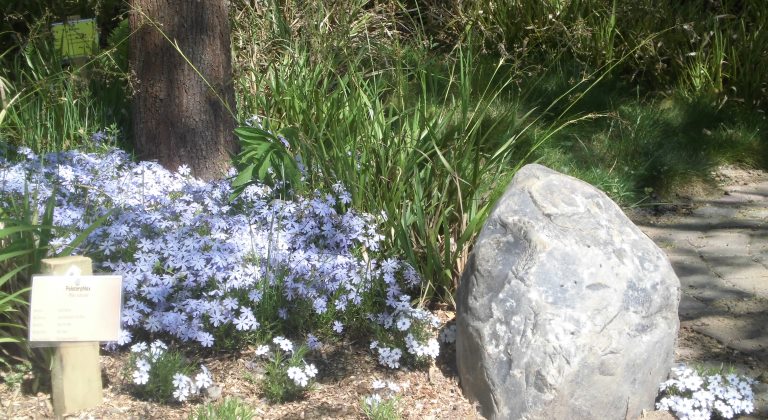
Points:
x=76, y=38
x=75, y=308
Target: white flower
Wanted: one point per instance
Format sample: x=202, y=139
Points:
x=157, y=349
x=403, y=323
x=140, y=377
x=143, y=365
x=394, y=387
x=262, y=350
x=179, y=380
x=139, y=347
x=284, y=343
x=184, y=170
x=203, y=379
x=181, y=394
x=699, y=397
x=298, y=376
x=310, y=370
x=378, y=384
x=373, y=400
x=184, y=387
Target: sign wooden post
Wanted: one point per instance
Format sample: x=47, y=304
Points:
x=75, y=371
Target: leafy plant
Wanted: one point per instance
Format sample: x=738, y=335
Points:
x=429, y=142
x=23, y=244
x=162, y=375
x=265, y=158
x=374, y=408
x=228, y=409
x=382, y=403
x=288, y=376
x=26, y=234
x=14, y=374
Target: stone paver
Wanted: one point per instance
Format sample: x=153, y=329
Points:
x=719, y=250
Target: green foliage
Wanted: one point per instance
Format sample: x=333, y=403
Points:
x=227, y=409
x=265, y=158
x=118, y=42
x=700, y=45
x=54, y=105
x=14, y=374
x=384, y=409
x=24, y=237
x=651, y=145
x=277, y=386
x=160, y=385
x=390, y=135
x=24, y=240
x=428, y=139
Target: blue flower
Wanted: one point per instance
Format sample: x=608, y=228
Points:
x=193, y=262
x=313, y=342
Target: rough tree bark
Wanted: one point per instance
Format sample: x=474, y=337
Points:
x=177, y=118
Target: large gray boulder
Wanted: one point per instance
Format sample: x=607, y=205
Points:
x=566, y=310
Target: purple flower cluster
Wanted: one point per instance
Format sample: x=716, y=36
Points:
x=194, y=261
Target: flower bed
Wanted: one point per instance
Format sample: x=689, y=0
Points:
x=200, y=266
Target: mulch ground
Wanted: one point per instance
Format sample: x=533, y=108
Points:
x=346, y=373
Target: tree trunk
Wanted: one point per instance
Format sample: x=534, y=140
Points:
x=177, y=117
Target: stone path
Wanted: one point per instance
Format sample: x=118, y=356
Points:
x=718, y=245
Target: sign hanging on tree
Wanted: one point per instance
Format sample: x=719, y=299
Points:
x=76, y=38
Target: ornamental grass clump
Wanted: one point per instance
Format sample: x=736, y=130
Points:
x=199, y=267
x=690, y=395
x=162, y=375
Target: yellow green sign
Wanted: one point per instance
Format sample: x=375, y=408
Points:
x=76, y=38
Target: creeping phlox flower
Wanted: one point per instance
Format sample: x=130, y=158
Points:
x=285, y=344
x=313, y=342
x=407, y=326
x=301, y=377
x=300, y=372
x=383, y=391
x=146, y=357
x=389, y=357
x=689, y=396
x=195, y=262
x=448, y=334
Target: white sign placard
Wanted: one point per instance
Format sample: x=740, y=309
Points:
x=75, y=308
